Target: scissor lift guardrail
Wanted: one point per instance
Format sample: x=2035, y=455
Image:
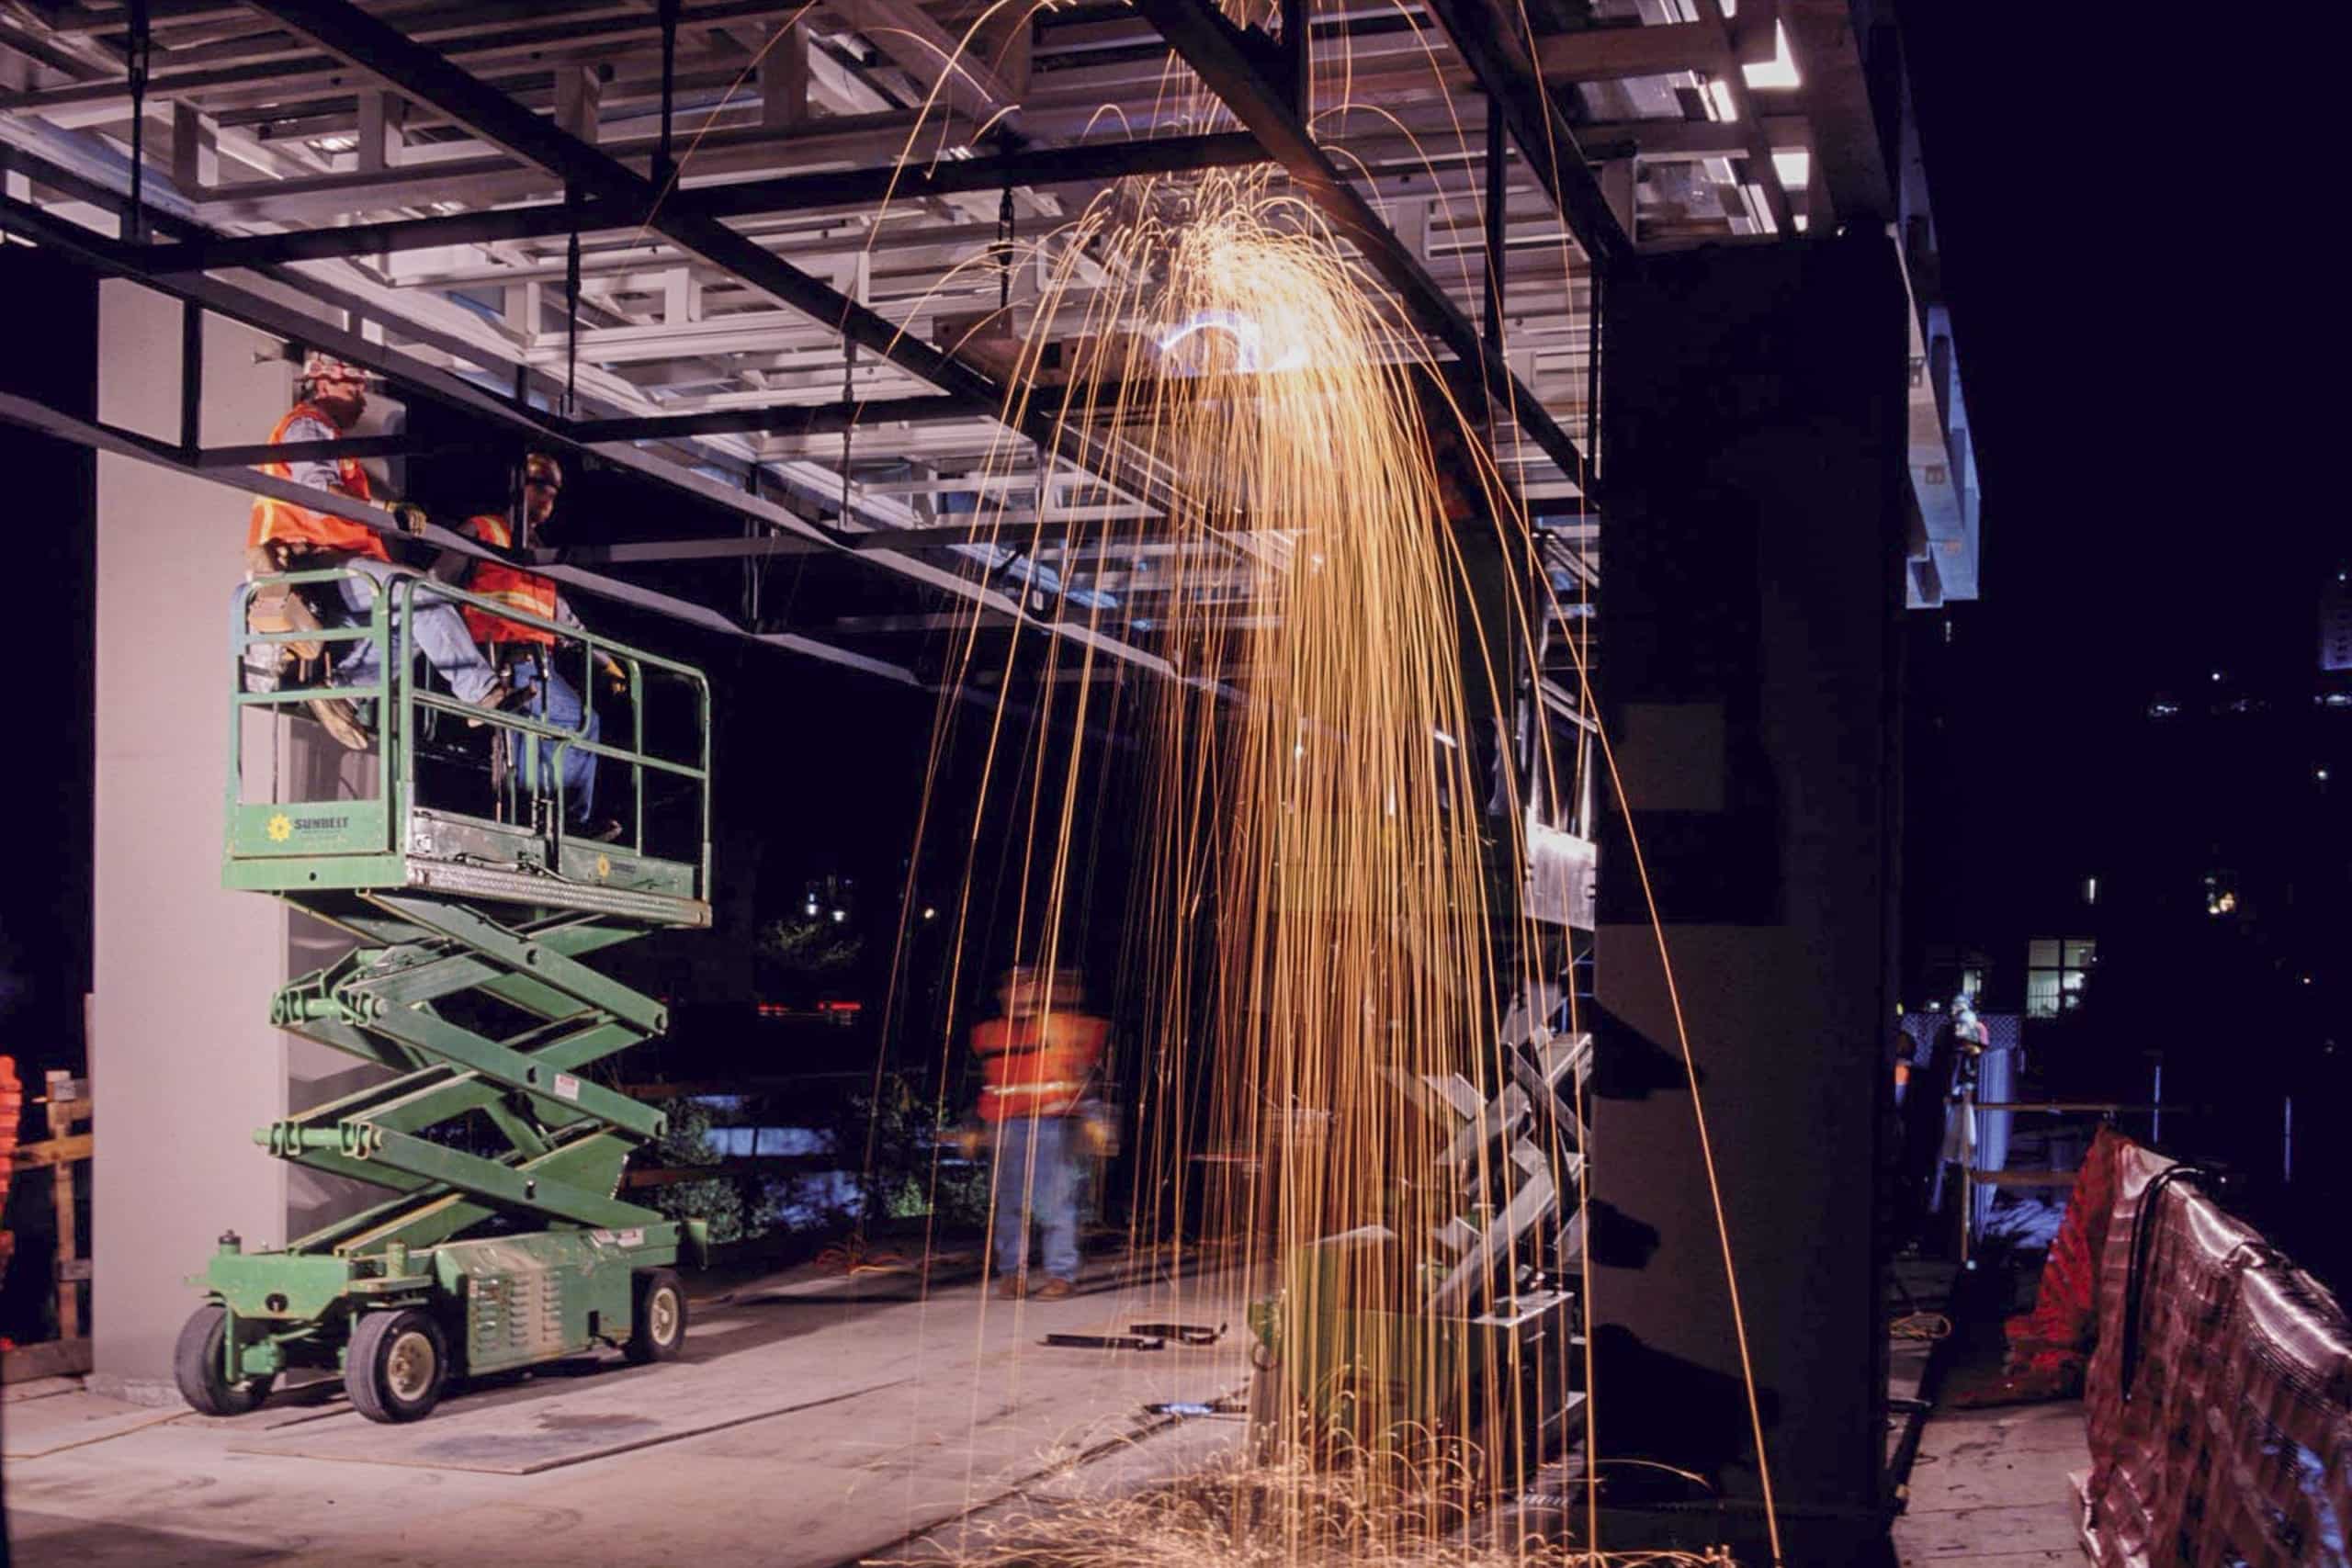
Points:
x=502, y=1242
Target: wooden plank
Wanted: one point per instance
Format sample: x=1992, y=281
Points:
x=52, y=1358
x=1608, y=54
x=52, y=1151
x=69, y=1247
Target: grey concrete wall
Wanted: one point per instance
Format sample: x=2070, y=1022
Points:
x=1752, y=535
x=181, y=1052
x=184, y=1063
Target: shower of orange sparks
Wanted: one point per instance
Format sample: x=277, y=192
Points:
x=1329, y=452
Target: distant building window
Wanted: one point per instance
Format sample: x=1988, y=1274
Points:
x=2336, y=624
x=2163, y=708
x=2054, y=971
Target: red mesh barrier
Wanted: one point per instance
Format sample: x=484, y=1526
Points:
x=12, y=1107
x=2220, y=1430
x=2049, y=1347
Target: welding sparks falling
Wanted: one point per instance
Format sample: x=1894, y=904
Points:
x=1323, y=917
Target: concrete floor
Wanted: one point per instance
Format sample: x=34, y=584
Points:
x=816, y=1420
x=1990, y=1489
x=813, y=1421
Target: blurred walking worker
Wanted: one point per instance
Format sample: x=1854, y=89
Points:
x=1040, y=1059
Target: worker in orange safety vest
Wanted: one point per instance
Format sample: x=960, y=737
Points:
x=331, y=394
x=526, y=654
x=1039, y=1059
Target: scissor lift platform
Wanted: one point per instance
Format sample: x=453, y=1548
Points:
x=502, y=1242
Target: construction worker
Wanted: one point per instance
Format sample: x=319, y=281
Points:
x=331, y=394
x=525, y=656
x=1039, y=1059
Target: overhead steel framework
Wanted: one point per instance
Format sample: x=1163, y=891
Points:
x=754, y=251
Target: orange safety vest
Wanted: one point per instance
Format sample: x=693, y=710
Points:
x=282, y=521
x=526, y=591
x=1037, y=1065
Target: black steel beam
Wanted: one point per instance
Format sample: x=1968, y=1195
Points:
x=1761, y=169
x=294, y=326
x=1094, y=399
x=115, y=258
x=1508, y=77
x=787, y=193
x=1024, y=533
x=1228, y=61
x=424, y=75
x=344, y=446
x=40, y=417
x=804, y=419
x=283, y=67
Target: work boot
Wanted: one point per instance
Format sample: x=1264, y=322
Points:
x=340, y=719
x=1054, y=1290
x=604, y=832
x=498, y=697
x=1012, y=1287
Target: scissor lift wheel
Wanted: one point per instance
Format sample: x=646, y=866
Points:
x=658, y=1324
x=397, y=1364
x=200, y=1365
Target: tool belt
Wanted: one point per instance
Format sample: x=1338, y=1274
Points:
x=290, y=607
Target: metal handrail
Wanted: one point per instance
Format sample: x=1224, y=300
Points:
x=396, y=689
x=2071, y=1107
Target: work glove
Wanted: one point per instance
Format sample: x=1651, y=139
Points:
x=410, y=516
x=616, y=678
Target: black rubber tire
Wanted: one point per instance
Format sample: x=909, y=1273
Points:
x=196, y=1365
x=396, y=1366
x=657, y=1324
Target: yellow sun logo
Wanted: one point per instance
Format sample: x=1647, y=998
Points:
x=281, y=828
x=604, y=865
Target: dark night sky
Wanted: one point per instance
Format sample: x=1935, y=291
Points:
x=2116, y=277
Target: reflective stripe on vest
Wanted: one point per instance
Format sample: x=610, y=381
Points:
x=283, y=522
x=524, y=591
x=1037, y=1065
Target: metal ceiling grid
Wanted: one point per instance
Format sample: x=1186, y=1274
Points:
x=424, y=166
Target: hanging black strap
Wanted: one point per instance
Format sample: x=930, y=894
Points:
x=141, y=55
x=1004, y=237
x=849, y=420
x=663, y=170
x=572, y=308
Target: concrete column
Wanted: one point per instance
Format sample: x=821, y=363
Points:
x=1752, y=537
x=184, y=1062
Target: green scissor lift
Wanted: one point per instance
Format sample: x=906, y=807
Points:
x=502, y=1242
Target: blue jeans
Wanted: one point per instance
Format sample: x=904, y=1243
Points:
x=550, y=699
x=1036, y=1179
x=435, y=626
